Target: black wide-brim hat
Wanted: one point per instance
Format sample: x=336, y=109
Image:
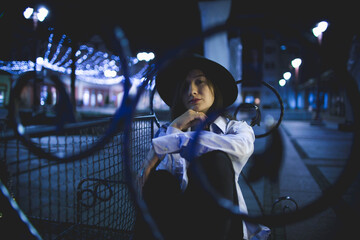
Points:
x=168, y=78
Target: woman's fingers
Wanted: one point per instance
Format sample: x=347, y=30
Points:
x=196, y=118
x=188, y=119
x=199, y=116
x=195, y=115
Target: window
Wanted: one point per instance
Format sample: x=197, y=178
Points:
x=86, y=97
x=92, y=99
x=99, y=98
x=2, y=97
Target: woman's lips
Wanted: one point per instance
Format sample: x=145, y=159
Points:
x=194, y=101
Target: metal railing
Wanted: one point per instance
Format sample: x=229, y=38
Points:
x=85, y=198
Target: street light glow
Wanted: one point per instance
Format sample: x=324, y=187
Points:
x=28, y=12
x=282, y=82
x=144, y=56
x=287, y=75
x=296, y=62
x=42, y=13
x=323, y=25
x=320, y=28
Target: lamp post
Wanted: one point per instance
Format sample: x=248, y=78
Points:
x=39, y=15
x=318, y=33
x=282, y=83
x=319, y=29
x=296, y=64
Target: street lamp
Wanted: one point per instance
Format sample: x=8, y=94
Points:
x=39, y=15
x=318, y=31
x=295, y=63
x=28, y=12
x=145, y=56
x=287, y=75
x=282, y=82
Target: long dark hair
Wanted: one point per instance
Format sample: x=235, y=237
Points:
x=178, y=107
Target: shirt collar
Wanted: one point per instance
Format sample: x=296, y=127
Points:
x=220, y=123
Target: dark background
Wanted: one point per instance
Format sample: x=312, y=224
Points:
x=159, y=26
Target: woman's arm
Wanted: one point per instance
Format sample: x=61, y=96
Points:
x=149, y=164
x=238, y=142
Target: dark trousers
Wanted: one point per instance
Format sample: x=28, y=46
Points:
x=192, y=214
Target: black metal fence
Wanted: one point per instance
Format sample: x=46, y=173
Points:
x=83, y=199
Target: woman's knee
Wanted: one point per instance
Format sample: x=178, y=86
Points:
x=219, y=172
x=217, y=163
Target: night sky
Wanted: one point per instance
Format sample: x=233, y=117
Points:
x=159, y=26
x=149, y=25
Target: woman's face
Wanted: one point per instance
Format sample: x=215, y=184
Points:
x=198, y=93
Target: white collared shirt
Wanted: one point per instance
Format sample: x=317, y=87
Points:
x=236, y=138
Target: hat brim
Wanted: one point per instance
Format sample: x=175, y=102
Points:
x=169, y=76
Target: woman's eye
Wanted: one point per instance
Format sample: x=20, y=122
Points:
x=200, y=81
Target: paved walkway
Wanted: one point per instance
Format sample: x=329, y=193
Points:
x=314, y=156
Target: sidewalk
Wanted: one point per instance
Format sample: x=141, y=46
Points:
x=314, y=156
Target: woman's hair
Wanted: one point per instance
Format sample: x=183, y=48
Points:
x=178, y=107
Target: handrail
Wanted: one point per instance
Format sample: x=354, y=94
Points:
x=43, y=130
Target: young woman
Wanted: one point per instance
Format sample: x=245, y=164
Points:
x=194, y=87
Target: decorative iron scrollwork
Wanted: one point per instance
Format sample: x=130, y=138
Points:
x=94, y=192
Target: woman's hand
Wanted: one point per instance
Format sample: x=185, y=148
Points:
x=149, y=163
x=188, y=119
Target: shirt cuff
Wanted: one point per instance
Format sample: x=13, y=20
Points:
x=163, y=145
x=171, y=143
x=171, y=130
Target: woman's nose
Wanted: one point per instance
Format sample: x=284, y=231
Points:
x=192, y=90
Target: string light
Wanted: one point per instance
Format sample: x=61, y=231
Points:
x=92, y=66
x=17, y=67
